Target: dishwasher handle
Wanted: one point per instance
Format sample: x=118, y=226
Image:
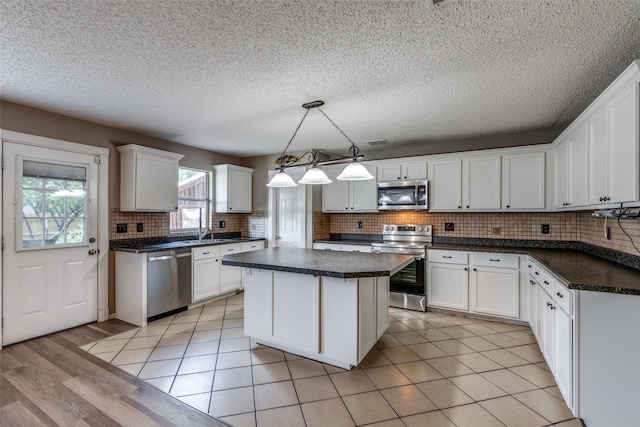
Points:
x=161, y=258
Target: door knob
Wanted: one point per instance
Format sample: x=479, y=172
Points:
x=92, y=252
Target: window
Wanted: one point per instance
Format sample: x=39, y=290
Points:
x=193, y=200
x=53, y=204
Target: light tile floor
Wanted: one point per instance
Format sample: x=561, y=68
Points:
x=428, y=369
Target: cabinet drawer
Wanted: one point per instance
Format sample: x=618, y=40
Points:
x=546, y=282
x=205, y=252
x=252, y=246
x=327, y=246
x=230, y=249
x=563, y=297
x=496, y=260
x=448, y=257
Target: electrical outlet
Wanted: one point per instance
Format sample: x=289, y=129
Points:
x=449, y=226
x=121, y=228
x=495, y=230
x=139, y=227
x=359, y=224
x=544, y=229
x=222, y=224
x=157, y=223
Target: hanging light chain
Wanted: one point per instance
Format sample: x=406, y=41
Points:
x=282, y=157
x=353, y=150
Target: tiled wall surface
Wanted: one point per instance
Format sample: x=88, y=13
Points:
x=491, y=225
x=592, y=231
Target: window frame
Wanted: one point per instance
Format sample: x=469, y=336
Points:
x=207, y=201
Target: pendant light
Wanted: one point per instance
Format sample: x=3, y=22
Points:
x=354, y=171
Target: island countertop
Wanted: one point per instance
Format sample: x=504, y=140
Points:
x=343, y=265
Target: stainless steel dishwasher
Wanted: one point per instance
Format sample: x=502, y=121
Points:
x=168, y=280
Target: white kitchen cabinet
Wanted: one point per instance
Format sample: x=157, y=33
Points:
x=252, y=246
x=445, y=185
x=349, y=196
x=205, y=273
x=563, y=354
x=495, y=284
x=233, y=186
x=571, y=170
x=400, y=171
x=481, y=183
x=523, y=181
x=614, y=130
x=148, y=179
x=547, y=321
x=230, y=277
x=448, y=286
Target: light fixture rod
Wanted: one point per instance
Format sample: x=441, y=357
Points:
x=336, y=126
x=296, y=131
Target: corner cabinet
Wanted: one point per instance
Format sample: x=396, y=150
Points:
x=349, y=196
x=233, y=185
x=148, y=179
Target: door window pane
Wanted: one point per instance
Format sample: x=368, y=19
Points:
x=53, y=204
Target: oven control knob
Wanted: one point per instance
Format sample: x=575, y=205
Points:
x=391, y=228
x=420, y=228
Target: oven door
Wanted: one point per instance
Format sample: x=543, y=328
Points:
x=411, y=279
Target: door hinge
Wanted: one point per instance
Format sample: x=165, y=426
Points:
x=2, y=244
x=2, y=162
x=96, y=160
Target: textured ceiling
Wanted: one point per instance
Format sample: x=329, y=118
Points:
x=230, y=76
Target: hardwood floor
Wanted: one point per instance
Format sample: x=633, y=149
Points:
x=49, y=381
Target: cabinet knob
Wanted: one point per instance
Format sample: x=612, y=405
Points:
x=475, y=269
x=398, y=177
x=508, y=206
x=459, y=207
x=466, y=269
x=546, y=282
x=405, y=177
x=559, y=294
x=548, y=304
x=467, y=206
x=602, y=199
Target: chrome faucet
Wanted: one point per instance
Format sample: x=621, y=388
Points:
x=201, y=234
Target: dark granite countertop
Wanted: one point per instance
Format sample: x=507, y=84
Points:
x=154, y=246
x=343, y=265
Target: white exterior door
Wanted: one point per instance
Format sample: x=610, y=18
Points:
x=288, y=205
x=50, y=262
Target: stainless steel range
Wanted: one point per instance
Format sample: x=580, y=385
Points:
x=408, y=286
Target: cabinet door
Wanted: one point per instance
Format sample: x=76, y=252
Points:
x=482, y=183
x=206, y=279
x=524, y=181
x=230, y=276
x=448, y=286
x=547, y=321
x=578, y=167
x=363, y=194
x=335, y=196
x=534, y=307
x=623, y=154
x=390, y=172
x=156, y=183
x=417, y=170
x=597, y=153
x=563, y=349
x=496, y=291
x=562, y=176
x=239, y=191
x=445, y=185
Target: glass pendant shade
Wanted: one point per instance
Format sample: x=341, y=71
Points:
x=281, y=179
x=315, y=175
x=355, y=172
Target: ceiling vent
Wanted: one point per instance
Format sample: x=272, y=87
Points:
x=434, y=3
x=376, y=142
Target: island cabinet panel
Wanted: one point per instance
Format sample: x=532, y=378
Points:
x=338, y=310
x=296, y=310
x=258, y=285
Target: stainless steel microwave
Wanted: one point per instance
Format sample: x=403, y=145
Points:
x=403, y=195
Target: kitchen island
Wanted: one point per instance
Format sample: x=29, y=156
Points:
x=324, y=305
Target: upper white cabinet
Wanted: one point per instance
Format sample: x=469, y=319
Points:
x=571, y=170
x=445, y=184
x=523, y=181
x=597, y=156
x=349, y=196
x=148, y=179
x=232, y=188
x=481, y=183
x=400, y=171
x=613, y=149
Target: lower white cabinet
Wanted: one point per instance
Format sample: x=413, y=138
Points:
x=474, y=282
x=448, y=286
x=209, y=277
x=205, y=273
x=563, y=354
